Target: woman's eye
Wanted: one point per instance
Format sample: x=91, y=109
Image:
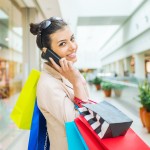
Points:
x=62, y=44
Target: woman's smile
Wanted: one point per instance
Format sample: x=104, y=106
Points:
x=72, y=55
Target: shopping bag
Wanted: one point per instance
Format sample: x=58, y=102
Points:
x=105, y=119
x=130, y=141
x=74, y=138
x=88, y=134
x=23, y=110
x=38, y=139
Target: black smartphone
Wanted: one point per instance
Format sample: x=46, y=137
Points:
x=52, y=54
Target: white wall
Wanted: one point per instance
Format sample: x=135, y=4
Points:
x=137, y=45
x=132, y=38
x=139, y=66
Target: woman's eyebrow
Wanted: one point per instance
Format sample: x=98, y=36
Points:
x=62, y=40
x=65, y=39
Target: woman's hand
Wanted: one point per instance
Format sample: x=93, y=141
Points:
x=67, y=70
x=73, y=75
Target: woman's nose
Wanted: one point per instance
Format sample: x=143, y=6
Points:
x=73, y=46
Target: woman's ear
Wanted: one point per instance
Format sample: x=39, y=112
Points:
x=44, y=49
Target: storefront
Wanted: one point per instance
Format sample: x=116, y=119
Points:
x=11, y=49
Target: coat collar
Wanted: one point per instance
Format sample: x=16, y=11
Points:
x=47, y=68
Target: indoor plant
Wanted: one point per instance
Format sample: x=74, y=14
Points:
x=118, y=89
x=107, y=87
x=144, y=95
x=97, y=82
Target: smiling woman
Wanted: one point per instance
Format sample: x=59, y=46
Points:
x=59, y=84
x=63, y=43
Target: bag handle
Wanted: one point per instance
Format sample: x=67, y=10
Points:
x=79, y=102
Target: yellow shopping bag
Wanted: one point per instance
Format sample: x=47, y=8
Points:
x=23, y=110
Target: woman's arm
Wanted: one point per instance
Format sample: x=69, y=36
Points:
x=73, y=75
x=80, y=91
x=53, y=100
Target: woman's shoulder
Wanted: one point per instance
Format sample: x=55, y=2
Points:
x=47, y=80
x=49, y=86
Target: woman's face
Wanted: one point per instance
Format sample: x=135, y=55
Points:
x=63, y=43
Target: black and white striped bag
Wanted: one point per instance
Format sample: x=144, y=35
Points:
x=105, y=119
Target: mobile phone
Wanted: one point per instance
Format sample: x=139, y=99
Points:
x=52, y=54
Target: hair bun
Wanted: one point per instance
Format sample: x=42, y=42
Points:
x=34, y=28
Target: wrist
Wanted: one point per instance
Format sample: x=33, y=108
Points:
x=77, y=83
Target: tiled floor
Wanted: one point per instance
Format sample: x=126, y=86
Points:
x=12, y=138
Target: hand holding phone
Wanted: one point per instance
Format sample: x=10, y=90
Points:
x=50, y=53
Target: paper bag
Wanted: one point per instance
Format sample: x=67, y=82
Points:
x=23, y=110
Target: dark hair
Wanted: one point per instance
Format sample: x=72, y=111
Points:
x=43, y=30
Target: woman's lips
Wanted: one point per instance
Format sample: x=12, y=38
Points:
x=73, y=55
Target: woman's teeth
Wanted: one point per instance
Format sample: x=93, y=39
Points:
x=72, y=55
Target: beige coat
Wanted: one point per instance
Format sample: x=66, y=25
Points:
x=55, y=100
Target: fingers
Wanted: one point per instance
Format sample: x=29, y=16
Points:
x=64, y=64
x=70, y=65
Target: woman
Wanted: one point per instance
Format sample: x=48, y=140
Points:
x=58, y=85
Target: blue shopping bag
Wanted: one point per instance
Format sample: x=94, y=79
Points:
x=74, y=138
x=38, y=139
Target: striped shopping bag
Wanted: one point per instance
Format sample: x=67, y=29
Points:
x=94, y=126
x=105, y=119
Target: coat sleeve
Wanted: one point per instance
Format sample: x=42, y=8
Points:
x=52, y=98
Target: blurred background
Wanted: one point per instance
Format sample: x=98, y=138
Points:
x=113, y=55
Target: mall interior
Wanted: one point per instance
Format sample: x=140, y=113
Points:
x=113, y=39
